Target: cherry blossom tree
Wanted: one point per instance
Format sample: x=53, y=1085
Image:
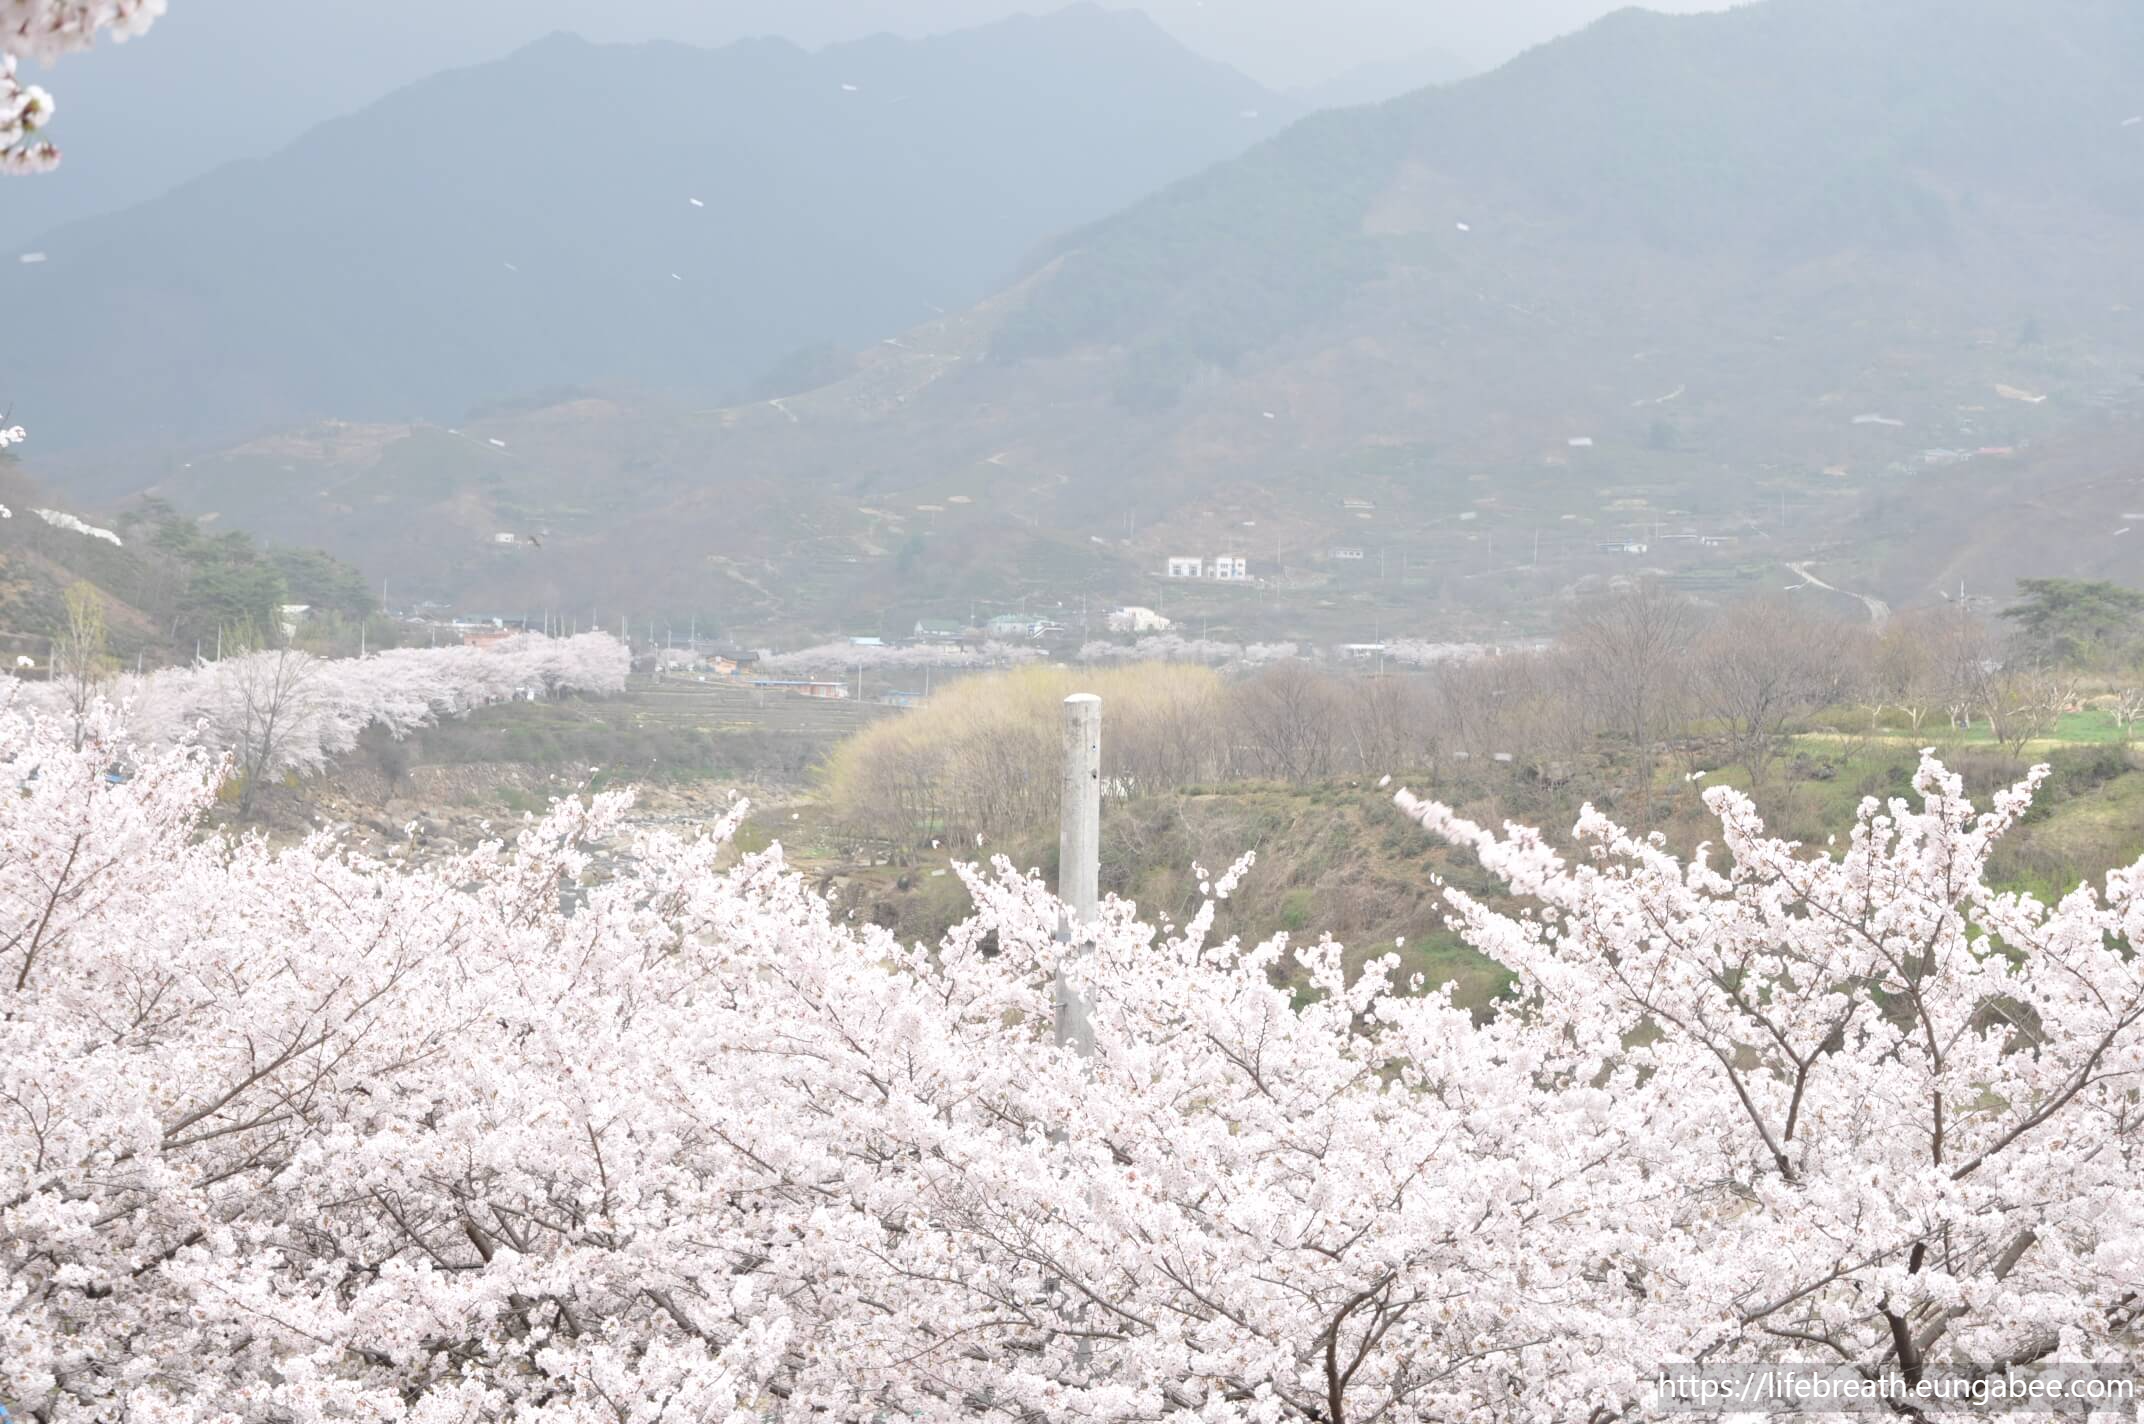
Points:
x=44, y=30
x=292, y=1134
x=297, y=1136
x=847, y=657
x=1909, y=1128
x=1418, y=653
x=2127, y=708
x=1174, y=648
x=280, y=710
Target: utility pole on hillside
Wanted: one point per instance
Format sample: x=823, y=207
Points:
x=1079, y=855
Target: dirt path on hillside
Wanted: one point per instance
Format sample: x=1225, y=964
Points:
x=1879, y=611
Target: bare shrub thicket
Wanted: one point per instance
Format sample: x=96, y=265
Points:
x=1287, y=720
x=982, y=758
x=1631, y=660
x=1529, y=708
x=1758, y=669
x=1633, y=680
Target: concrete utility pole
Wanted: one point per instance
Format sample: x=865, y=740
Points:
x=1079, y=856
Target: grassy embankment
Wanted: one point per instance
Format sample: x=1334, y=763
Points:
x=1338, y=858
x=1334, y=857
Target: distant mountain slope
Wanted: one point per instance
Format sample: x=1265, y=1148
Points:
x=1375, y=82
x=1840, y=280
x=657, y=214
x=1766, y=136
x=229, y=79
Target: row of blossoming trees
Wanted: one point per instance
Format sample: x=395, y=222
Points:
x=282, y=711
x=286, y=1135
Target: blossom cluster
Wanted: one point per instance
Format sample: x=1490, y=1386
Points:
x=1422, y=654
x=75, y=524
x=1174, y=648
x=43, y=30
x=323, y=705
x=835, y=657
x=289, y=1135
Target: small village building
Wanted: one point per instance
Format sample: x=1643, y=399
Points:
x=1230, y=569
x=1186, y=566
x=1135, y=619
x=731, y=661
x=939, y=630
x=1348, y=554
x=797, y=687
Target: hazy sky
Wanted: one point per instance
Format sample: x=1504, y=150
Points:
x=223, y=79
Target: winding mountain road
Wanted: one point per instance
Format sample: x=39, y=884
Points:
x=1879, y=611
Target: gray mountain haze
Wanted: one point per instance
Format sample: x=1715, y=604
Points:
x=1741, y=279
x=731, y=211
x=229, y=79
x=1379, y=80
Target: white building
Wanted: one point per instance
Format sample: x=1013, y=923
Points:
x=1138, y=620
x=1227, y=568
x=1347, y=553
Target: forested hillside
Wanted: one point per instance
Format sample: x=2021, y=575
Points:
x=165, y=582
x=1691, y=297
x=478, y=236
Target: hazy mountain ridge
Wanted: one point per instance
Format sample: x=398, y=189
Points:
x=1532, y=325
x=1380, y=80
x=473, y=235
x=231, y=79
x=1775, y=133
